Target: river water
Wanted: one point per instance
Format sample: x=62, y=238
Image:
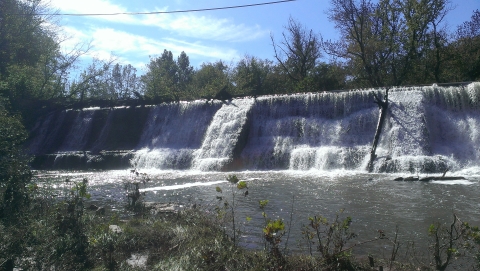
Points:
x=374, y=201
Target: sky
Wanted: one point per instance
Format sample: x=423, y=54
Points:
x=207, y=36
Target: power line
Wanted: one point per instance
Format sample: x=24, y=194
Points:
x=162, y=12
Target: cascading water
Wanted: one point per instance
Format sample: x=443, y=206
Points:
x=427, y=129
x=172, y=133
x=311, y=131
x=404, y=145
x=78, y=134
x=431, y=129
x=223, y=135
x=46, y=134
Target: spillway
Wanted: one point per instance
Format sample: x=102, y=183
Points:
x=427, y=129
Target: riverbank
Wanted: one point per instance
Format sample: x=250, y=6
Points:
x=161, y=237
x=64, y=230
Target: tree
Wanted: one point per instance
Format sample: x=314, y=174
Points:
x=326, y=77
x=167, y=79
x=369, y=36
x=94, y=82
x=185, y=72
x=298, y=51
x=32, y=66
x=421, y=33
x=385, y=43
x=124, y=81
x=14, y=170
x=160, y=80
x=251, y=75
x=465, y=65
x=212, y=78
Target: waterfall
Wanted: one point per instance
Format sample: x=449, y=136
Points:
x=453, y=124
x=172, y=133
x=427, y=129
x=222, y=135
x=79, y=132
x=311, y=131
x=431, y=129
x=47, y=134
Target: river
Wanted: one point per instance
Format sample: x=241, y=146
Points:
x=374, y=201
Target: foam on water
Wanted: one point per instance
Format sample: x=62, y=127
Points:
x=172, y=133
x=427, y=130
x=296, y=131
x=456, y=182
x=180, y=186
x=222, y=135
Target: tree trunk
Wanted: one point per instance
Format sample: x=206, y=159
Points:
x=383, y=112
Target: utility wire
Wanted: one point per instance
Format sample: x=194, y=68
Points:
x=162, y=12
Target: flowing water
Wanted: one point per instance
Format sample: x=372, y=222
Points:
x=374, y=201
x=427, y=130
x=305, y=153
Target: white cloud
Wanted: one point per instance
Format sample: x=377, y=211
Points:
x=87, y=6
x=125, y=46
x=206, y=28
x=203, y=27
x=201, y=37
x=188, y=25
x=94, y=7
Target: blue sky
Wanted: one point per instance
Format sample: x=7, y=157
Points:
x=204, y=36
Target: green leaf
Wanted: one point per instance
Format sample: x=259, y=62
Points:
x=278, y=225
x=242, y=185
x=249, y=218
x=219, y=190
x=232, y=179
x=263, y=203
x=432, y=229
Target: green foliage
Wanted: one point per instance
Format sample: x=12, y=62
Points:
x=273, y=231
x=453, y=241
x=232, y=179
x=135, y=200
x=228, y=207
x=71, y=246
x=263, y=203
x=252, y=76
x=389, y=42
x=298, y=52
x=102, y=80
x=273, y=228
x=32, y=66
x=331, y=238
x=15, y=192
x=80, y=190
x=473, y=240
x=166, y=78
x=15, y=173
x=242, y=185
x=463, y=53
x=211, y=78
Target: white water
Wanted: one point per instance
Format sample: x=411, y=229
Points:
x=172, y=133
x=427, y=130
x=311, y=131
x=222, y=135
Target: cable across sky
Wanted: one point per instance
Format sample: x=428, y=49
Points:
x=165, y=12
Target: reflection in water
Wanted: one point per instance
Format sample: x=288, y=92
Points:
x=374, y=201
